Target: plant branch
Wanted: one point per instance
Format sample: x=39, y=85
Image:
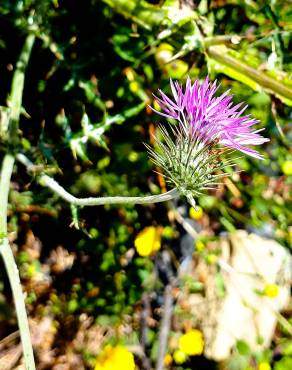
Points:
x=13, y=275
x=165, y=326
x=145, y=14
x=15, y=99
x=5, y=176
x=15, y=102
x=49, y=182
x=220, y=54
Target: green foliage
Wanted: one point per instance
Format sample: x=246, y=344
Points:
x=84, y=120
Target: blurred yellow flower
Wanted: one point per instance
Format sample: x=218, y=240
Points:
x=163, y=53
x=148, y=241
x=115, y=358
x=196, y=213
x=212, y=258
x=134, y=86
x=287, y=168
x=179, y=356
x=271, y=290
x=169, y=233
x=192, y=343
x=200, y=246
x=264, y=366
x=176, y=69
x=167, y=359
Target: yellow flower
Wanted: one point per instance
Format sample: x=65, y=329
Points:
x=200, y=246
x=287, y=168
x=212, y=258
x=115, y=358
x=179, y=356
x=264, y=366
x=196, y=213
x=176, y=69
x=163, y=53
x=134, y=86
x=148, y=241
x=169, y=233
x=192, y=343
x=167, y=359
x=271, y=290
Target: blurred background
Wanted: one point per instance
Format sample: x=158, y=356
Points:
x=101, y=282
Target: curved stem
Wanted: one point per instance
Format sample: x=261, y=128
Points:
x=55, y=187
x=14, y=280
x=10, y=265
x=5, y=177
x=17, y=85
x=47, y=181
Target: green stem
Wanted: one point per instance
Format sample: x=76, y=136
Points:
x=143, y=13
x=50, y=183
x=10, y=265
x=13, y=275
x=15, y=99
x=5, y=175
x=15, y=102
x=99, y=201
x=220, y=54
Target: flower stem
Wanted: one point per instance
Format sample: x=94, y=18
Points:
x=50, y=183
x=13, y=275
x=5, y=175
x=10, y=265
x=17, y=85
x=15, y=102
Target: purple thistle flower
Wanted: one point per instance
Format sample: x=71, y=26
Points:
x=211, y=118
x=208, y=126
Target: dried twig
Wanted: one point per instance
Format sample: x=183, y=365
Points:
x=165, y=326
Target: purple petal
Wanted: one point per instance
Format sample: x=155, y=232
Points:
x=209, y=117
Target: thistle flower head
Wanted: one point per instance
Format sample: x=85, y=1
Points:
x=207, y=126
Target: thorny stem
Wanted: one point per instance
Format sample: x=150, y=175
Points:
x=47, y=181
x=5, y=177
x=15, y=99
x=220, y=55
x=141, y=11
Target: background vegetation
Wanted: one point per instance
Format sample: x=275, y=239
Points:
x=92, y=72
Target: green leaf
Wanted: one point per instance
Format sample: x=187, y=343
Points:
x=227, y=224
x=231, y=63
x=243, y=347
x=284, y=364
x=220, y=285
x=78, y=148
x=91, y=94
